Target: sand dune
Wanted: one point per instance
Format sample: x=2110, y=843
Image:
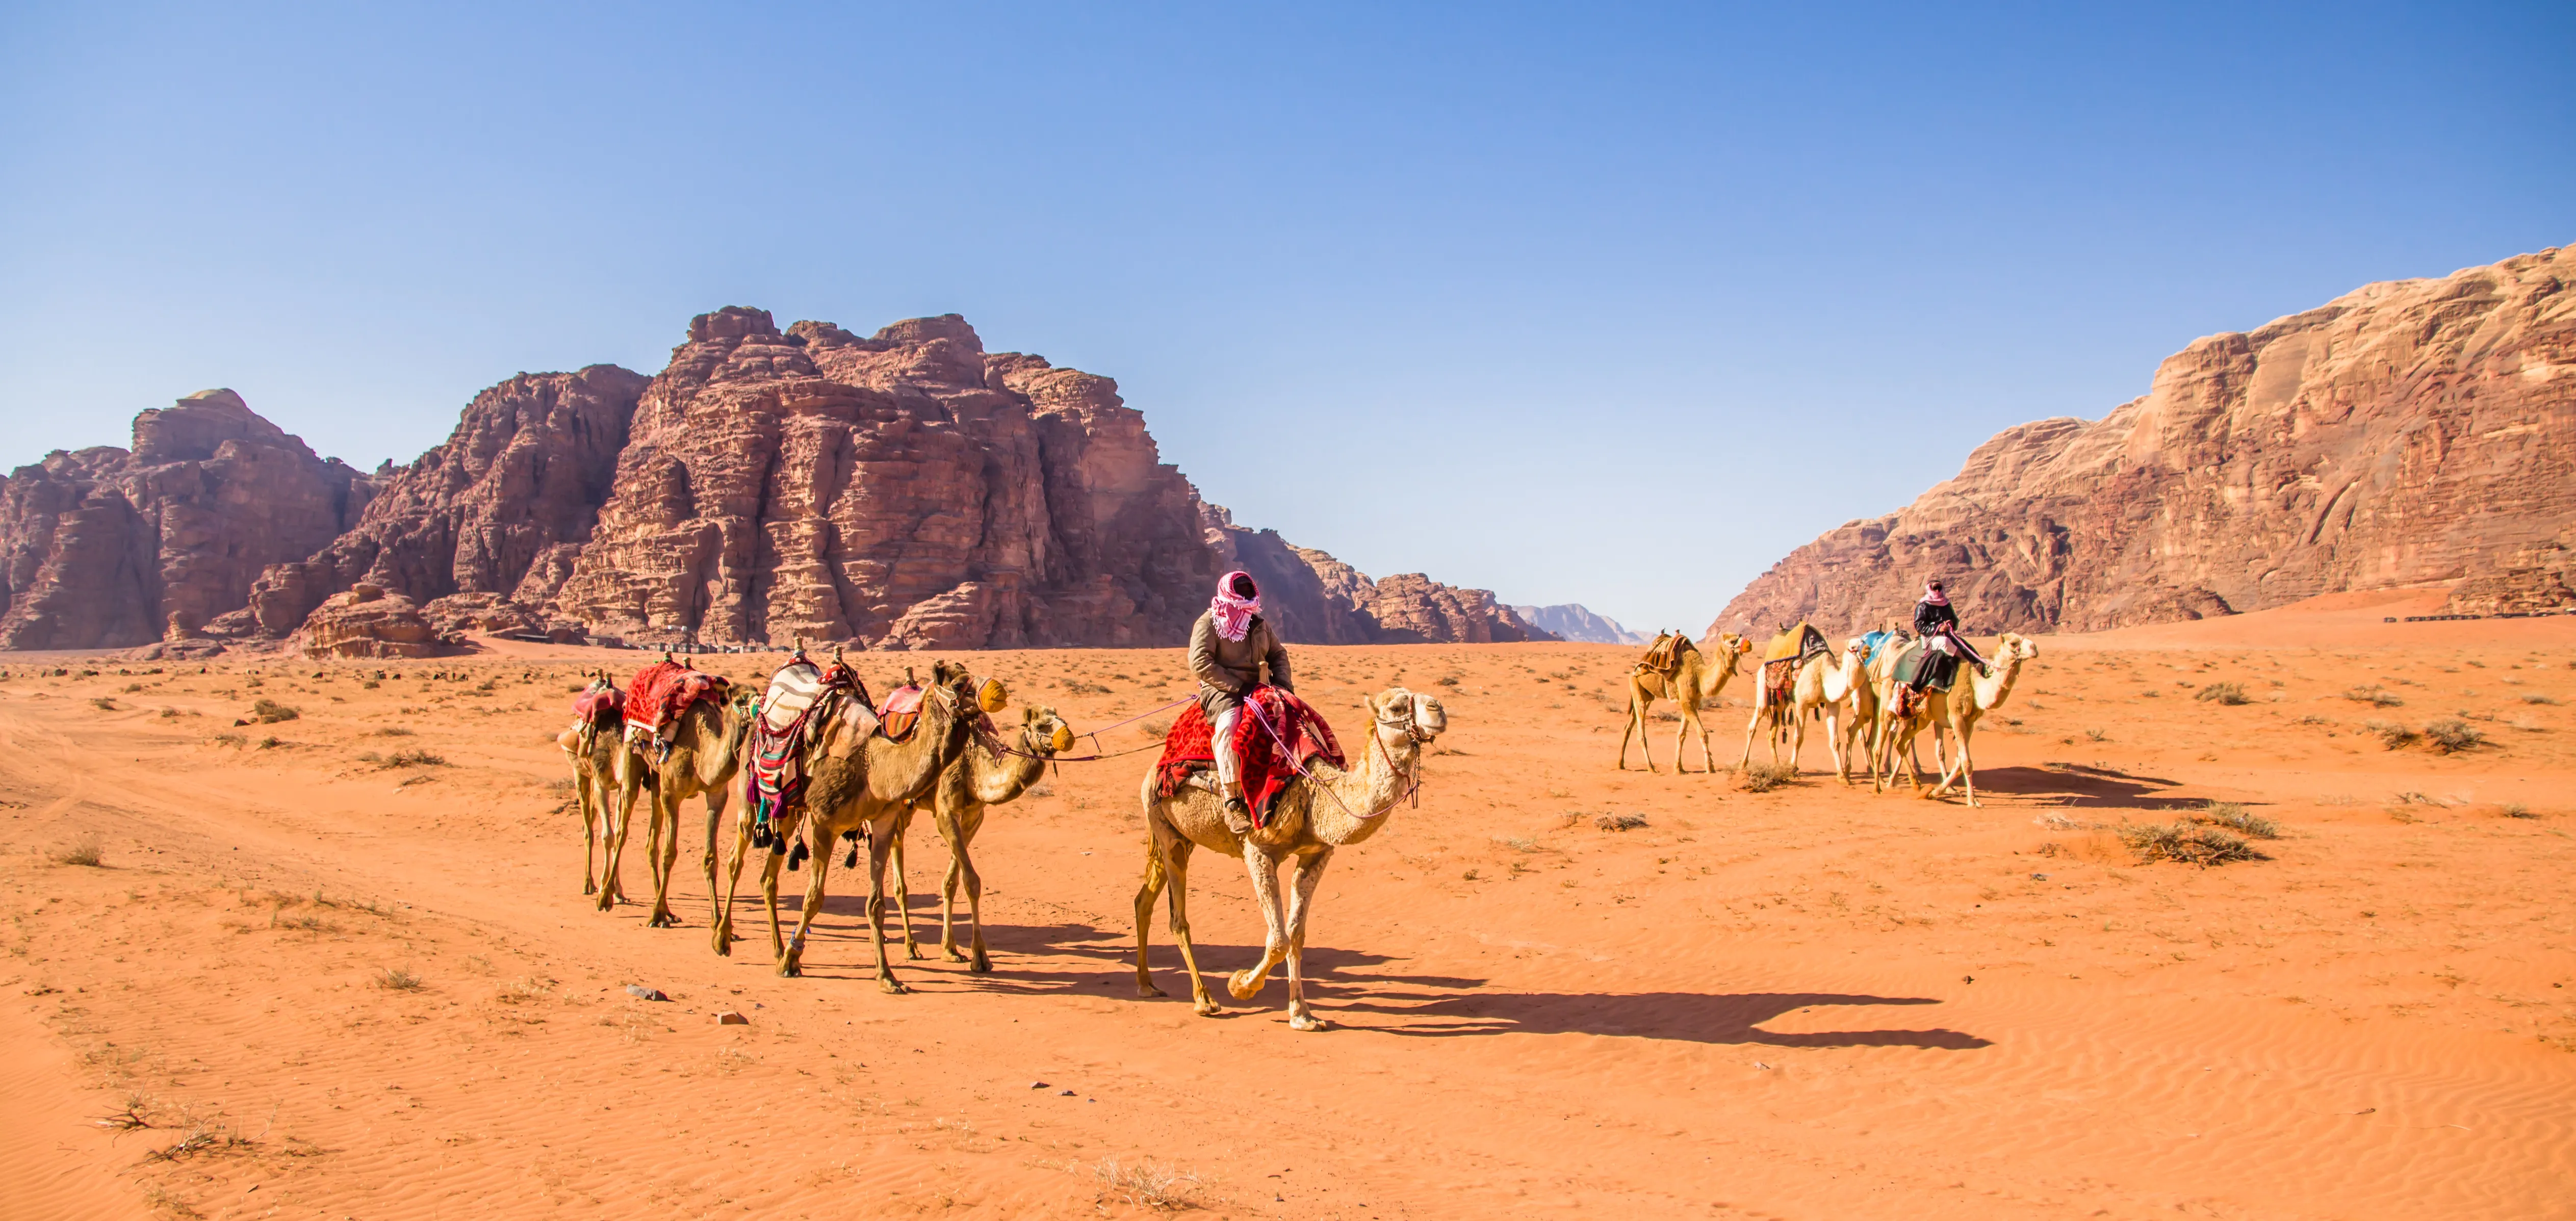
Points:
x=1812, y=1002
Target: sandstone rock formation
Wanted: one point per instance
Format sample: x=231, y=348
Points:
x=2409, y=432
x=366, y=621
x=108, y=547
x=497, y=510
x=902, y=490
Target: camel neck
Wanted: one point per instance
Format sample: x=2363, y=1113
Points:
x=1357, y=802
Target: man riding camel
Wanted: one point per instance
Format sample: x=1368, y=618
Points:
x=1230, y=647
x=1938, y=626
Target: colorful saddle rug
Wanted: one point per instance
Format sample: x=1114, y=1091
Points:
x=801, y=699
x=1665, y=655
x=1779, y=682
x=901, y=713
x=1874, y=643
x=664, y=690
x=1910, y=667
x=1798, y=644
x=1276, y=738
x=599, y=705
x=792, y=691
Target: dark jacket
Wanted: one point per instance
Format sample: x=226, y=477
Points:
x=1228, y=668
x=1931, y=620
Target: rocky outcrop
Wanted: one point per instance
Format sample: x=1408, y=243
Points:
x=2407, y=433
x=1575, y=621
x=367, y=621
x=900, y=490
x=1312, y=598
x=106, y=547
x=496, y=510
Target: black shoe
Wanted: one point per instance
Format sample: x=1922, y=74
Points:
x=1238, y=816
x=795, y=858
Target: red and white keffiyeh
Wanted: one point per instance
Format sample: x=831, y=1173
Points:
x=1233, y=611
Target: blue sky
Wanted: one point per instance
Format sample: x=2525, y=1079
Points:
x=1537, y=298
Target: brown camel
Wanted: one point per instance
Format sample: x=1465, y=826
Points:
x=706, y=748
x=1312, y=816
x=591, y=747
x=858, y=780
x=992, y=771
x=1969, y=698
x=1696, y=678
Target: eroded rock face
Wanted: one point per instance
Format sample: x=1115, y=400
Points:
x=367, y=621
x=511, y=493
x=903, y=490
x=1312, y=598
x=108, y=547
x=2408, y=432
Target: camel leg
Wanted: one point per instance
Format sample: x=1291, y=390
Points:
x=1707, y=758
x=1150, y=890
x=818, y=844
x=619, y=817
x=1637, y=728
x=1248, y=982
x=1176, y=862
x=665, y=847
x=1681, y=737
x=961, y=867
x=1797, y=736
x=903, y=888
x=717, y=799
x=723, y=922
x=1302, y=879
x=769, y=894
x=1751, y=727
x=585, y=792
x=880, y=847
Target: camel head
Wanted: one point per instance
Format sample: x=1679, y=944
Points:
x=2015, y=647
x=1418, y=718
x=1044, y=731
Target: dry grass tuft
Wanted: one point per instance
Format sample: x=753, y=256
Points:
x=1764, y=777
x=2374, y=694
x=399, y=979
x=83, y=850
x=2186, y=842
x=2223, y=693
x=1149, y=1184
x=1620, y=822
x=270, y=712
x=2237, y=818
x=415, y=757
x=2453, y=735
x=2391, y=734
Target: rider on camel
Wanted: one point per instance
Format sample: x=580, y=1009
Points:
x=1938, y=626
x=1230, y=646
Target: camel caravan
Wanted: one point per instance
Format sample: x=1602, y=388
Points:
x=1249, y=770
x=1875, y=695
x=818, y=763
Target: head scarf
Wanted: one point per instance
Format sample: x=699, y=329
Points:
x=1233, y=611
x=1932, y=594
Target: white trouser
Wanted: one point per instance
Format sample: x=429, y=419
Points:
x=1227, y=766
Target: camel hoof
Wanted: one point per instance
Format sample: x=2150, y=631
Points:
x=981, y=966
x=606, y=903
x=789, y=970
x=1305, y=1022
x=663, y=920
x=590, y=888
x=950, y=954
x=912, y=952
x=1244, y=986
x=1146, y=991
x=1207, y=1007
x=891, y=986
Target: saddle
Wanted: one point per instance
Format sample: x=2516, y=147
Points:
x=901, y=713
x=1665, y=655
x=1799, y=643
x=1910, y=665
x=792, y=691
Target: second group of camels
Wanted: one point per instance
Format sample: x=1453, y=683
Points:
x=1851, y=691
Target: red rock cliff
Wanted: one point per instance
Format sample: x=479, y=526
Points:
x=2408, y=432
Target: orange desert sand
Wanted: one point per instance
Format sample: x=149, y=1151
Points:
x=1810, y=1002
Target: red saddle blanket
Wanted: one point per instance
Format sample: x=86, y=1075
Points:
x=664, y=690
x=1277, y=736
x=598, y=704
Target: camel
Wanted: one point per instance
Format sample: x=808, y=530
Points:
x=990, y=773
x=1837, y=694
x=1782, y=718
x=1970, y=697
x=1697, y=677
x=591, y=748
x=1327, y=809
x=858, y=780
x=706, y=749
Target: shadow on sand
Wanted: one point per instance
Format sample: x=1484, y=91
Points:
x=2084, y=787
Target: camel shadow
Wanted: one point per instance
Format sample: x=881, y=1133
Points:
x=1689, y=1017
x=2084, y=787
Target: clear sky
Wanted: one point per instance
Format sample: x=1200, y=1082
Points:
x=1576, y=302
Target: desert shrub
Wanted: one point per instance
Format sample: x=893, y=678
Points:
x=2237, y=818
x=2391, y=734
x=1764, y=777
x=2534, y=697
x=1148, y=1184
x=2374, y=694
x=83, y=851
x=2186, y=842
x=228, y=739
x=2222, y=693
x=415, y=757
x=393, y=731
x=103, y=704
x=2453, y=735
x=1517, y=843
x=398, y=979
x=1448, y=681
x=1619, y=822
x=2312, y=719
x=2515, y=809
x=270, y=712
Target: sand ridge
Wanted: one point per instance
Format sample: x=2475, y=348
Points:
x=1809, y=1002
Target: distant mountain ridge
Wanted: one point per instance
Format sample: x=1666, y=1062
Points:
x=1576, y=622
x=2405, y=433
